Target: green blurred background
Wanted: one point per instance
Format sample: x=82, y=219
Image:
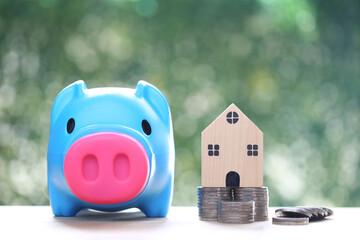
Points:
x=293, y=67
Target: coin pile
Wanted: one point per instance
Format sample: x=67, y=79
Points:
x=233, y=204
x=236, y=212
x=260, y=197
x=208, y=201
x=300, y=215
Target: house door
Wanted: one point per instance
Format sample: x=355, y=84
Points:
x=232, y=179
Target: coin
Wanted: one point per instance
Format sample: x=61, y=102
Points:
x=290, y=221
x=313, y=213
x=329, y=212
x=317, y=212
x=293, y=212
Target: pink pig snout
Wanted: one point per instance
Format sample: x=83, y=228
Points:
x=106, y=168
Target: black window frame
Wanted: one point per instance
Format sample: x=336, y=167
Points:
x=213, y=150
x=252, y=150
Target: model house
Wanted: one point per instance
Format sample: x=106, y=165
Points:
x=232, y=151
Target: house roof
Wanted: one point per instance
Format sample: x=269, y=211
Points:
x=231, y=108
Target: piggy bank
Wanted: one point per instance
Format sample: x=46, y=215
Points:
x=110, y=149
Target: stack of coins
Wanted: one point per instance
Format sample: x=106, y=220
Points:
x=208, y=201
x=236, y=212
x=210, y=208
x=260, y=197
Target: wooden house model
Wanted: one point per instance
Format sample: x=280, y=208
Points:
x=232, y=151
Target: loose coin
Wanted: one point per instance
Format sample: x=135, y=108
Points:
x=290, y=221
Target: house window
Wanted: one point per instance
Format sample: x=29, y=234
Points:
x=252, y=150
x=232, y=117
x=213, y=150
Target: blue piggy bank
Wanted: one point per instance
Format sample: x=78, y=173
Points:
x=110, y=149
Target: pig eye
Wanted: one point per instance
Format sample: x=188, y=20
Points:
x=70, y=125
x=146, y=127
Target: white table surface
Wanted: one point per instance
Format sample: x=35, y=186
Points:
x=38, y=222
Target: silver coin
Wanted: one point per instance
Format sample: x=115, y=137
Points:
x=313, y=213
x=239, y=192
x=205, y=196
x=204, y=210
x=293, y=212
x=234, y=217
x=322, y=213
x=207, y=209
x=212, y=194
x=261, y=196
x=213, y=199
x=207, y=218
x=214, y=189
x=317, y=213
x=236, y=210
x=236, y=214
x=240, y=214
x=252, y=197
x=261, y=207
x=249, y=199
x=210, y=200
x=207, y=212
x=290, y=221
x=235, y=220
x=233, y=204
x=247, y=191
x=210, y=203
x=329, y=212
x=251, y=194
x=237, y=203
x=251, y=188
x=261, y=213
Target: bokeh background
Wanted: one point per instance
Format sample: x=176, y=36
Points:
x=293, y=67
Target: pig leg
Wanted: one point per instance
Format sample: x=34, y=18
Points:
x=159, y=205
x=61, y=204
x=65, y=210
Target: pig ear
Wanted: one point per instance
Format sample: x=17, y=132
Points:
x=72, y=91
x=155, y=99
